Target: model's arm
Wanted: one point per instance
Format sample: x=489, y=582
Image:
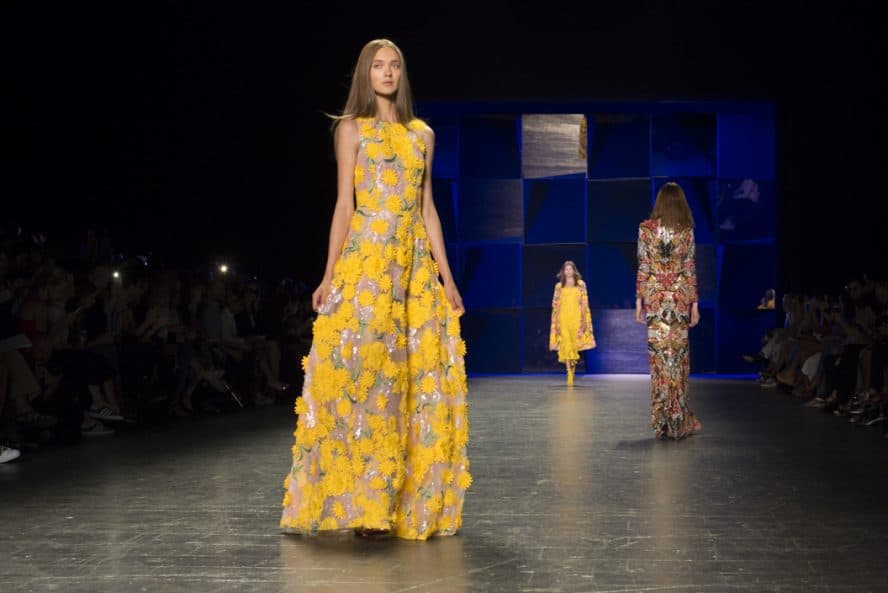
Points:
x=555, y=325
x=644, y=272
x=433, y=226
x=689, y=270
x=346, y=141
x=585, y=313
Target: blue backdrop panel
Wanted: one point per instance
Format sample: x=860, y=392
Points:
x=740, y=332
x=611, y=278
x=619, y=145
x=746, y=210
x=616, y=207
x=489, y=147
x=490, y=209
x=491, y=275
x=684, y=144
x=514, y=203
x=444, y=191
x=446, y=162
x=746, y=145
x=537, y=356
x=494, y=340
x=555, y=211
x=702, y=342
x=541, y=263
x=622, y=343
x=747, y=271
x=707, y=274
x=553, y=145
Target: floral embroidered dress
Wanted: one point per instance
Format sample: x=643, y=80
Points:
x=667, y=282
x=571, y=329
x=382, y=429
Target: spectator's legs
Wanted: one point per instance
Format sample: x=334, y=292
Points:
x=878, y=363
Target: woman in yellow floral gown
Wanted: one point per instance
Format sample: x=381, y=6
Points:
x=571, y=329
x=382, y=422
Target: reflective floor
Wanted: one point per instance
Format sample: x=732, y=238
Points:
x=571, y=494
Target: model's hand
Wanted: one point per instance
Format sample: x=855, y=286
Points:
x=639, y=314
x=319, y=296
x=695, y=315
x=452, y=295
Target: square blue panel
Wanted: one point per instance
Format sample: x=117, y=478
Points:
x=622, y=343
x=491, y=275
x=610, y=281
x=740, y=332
x=446, y=159
x=489, y=147
x=444, y=191
x=537, y=356
x=553, y=145
x=555, y=211
x=684, y=144
x=746, y=210
x=707, y=273
x=490, y=209
x=702, y=198
x=541, y=264
x=746, y=145
x=747, y=272
x=616, y=208
x=702, y=343
x=619, y=145
x=493, y=340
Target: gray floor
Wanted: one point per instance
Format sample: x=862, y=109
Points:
x=571, y=494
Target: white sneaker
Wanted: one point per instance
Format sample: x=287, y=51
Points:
x=8, y=454
x=94, y=428
x=104, y=413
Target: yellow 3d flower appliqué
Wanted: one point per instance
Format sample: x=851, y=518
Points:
x=390, y=177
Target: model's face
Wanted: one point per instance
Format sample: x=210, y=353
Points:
x=569, y=271
x=385, y=72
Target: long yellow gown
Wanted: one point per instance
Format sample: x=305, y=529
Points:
x=382, y=429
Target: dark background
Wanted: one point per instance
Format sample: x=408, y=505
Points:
x=196, y=131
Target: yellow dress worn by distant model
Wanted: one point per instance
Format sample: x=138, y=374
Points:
x=571, y=329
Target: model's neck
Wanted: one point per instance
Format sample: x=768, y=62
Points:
x=385, y=109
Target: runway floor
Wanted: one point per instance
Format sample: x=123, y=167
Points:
x=571, y=494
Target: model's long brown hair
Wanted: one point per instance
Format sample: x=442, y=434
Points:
x=361, y=100
x=563, y=279
x=671, y=208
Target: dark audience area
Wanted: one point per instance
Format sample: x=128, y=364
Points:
x=94, y=341
x=831, y=353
